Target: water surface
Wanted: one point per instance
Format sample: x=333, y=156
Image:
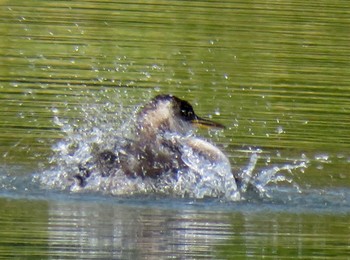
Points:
x=276, y=74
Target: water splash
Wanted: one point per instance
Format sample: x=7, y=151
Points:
x=274, y=174
x=100, y=128
x=205, y=178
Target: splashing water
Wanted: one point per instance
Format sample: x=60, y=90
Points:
x=270, y=175
x=103, y=129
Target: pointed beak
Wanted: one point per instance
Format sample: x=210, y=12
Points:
x=205, y=123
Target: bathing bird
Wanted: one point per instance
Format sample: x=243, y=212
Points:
x=163, y=129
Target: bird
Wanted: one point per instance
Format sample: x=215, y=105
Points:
x=163, y=129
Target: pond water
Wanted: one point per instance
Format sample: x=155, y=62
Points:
x=275, y=74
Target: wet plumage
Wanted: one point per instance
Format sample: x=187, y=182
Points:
x=163, y=127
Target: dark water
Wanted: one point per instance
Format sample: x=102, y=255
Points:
x=276, y=74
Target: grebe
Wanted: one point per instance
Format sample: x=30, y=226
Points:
x=163, y=128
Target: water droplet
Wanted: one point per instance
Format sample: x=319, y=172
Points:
x=319, y=167
x=323, y=157
x=54, y=110
x=279, y=130
x=340, y=156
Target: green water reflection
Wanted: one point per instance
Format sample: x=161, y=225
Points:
x=275, y=73
x=37, y=229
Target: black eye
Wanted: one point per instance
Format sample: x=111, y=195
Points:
x=186, y=111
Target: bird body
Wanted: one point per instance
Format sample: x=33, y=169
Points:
x=163, y=129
